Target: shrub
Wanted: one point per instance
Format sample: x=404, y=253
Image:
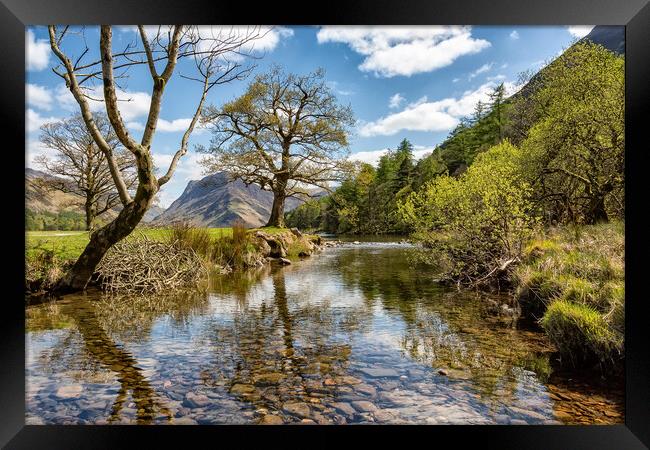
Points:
x=580, y=333
x=478, y=222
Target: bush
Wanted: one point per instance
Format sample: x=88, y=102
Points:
x=581, y=333
x=479, y=222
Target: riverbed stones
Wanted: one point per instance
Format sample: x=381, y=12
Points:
x=364, y=406
x=284, y=261
x=193, y=400
x=241, y=389
x=271, y=419
x=268, y=379
x=68, y=392
x=527, y=413
x=299, y=409
x=343, y=408
x=379, y=372
x=366, y=389
x=185, y=421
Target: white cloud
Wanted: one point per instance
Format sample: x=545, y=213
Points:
x=335, y=85
x=38, y=96
x=496, y=77
x=455, y=80
x=514, y=35
x=131, y=104
x=34, y=121
x=395, y=100
x=391, y=51
x=372, y=156
x=580, y=31
x=480, y=70
x=37, y=52
x=441, y=115
x=268, y=36
x=34, y=148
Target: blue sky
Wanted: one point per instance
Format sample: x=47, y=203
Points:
x=402, y=82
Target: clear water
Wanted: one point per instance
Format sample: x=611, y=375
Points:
x=356, y=334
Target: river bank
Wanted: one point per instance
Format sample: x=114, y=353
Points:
x=357, y=335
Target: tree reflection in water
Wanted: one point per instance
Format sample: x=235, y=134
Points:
x=294, y=342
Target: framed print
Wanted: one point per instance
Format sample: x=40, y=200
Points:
x=376, y=219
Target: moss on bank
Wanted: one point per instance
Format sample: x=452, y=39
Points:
x=572, y=281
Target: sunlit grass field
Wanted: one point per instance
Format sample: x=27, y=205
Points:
x=70, y=244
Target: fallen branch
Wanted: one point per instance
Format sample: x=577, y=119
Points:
x=144, y=266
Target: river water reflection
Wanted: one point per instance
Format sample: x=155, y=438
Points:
x=355, y=334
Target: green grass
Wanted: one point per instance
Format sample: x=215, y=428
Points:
x=573, y=280
x=580, y=332
x=68, y=245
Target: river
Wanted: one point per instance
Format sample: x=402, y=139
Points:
x=356, y=334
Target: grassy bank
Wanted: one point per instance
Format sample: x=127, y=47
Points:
x=572, y=281
x=48, y=254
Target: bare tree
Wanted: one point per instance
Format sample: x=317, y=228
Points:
x=286, y=133
x=219, y=57
x=81, y=168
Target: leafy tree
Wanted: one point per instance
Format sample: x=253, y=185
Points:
x=479, y=221
x=576, y=149
x=285, y=133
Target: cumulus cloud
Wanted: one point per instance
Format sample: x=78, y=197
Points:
x=268, y=37
x=37, y=52
x=441, y=115
x=480, y=70
x=372, y=156
x=33, y=149
x=34, y=121
x=580, y=31
x=38, y=96
x=514, y=35
x=391, y=51
x=395, y=100
x=131, y=104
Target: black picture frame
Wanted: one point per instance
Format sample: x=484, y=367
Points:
x=633, y=14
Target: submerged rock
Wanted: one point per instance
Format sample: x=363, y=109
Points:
x=193, y=400
x=68, y=392
x=297, y=409
x=271, y=419
x=378, y=372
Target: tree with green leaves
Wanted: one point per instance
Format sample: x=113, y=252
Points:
x=576, y=149
x=286, y=133
x=479, y=222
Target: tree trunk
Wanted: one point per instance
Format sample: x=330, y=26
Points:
x=103, y=239
x=91, y=213
x=597, y=212
x=277, y=211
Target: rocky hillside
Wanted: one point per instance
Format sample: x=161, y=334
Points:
x=40, y=200
x=216, y=201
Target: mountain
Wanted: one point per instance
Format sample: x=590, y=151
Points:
x=216, y=201
x=40, y=200
x=612, y=37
